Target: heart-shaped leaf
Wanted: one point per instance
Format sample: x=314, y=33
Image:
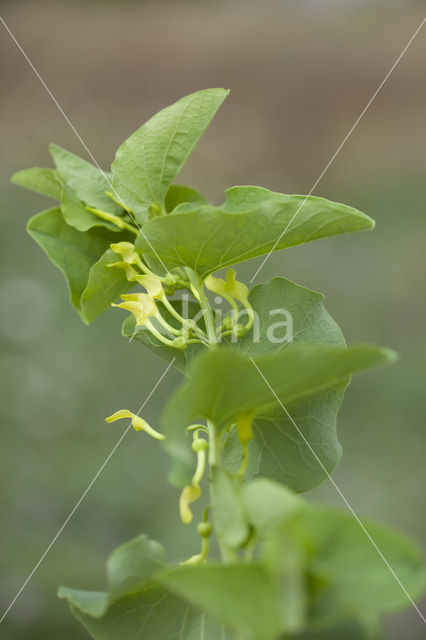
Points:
x=347, y=559
x=348, y=573
x=137, y=606
x=225, y=385
x=252, y=222
x=243, y=597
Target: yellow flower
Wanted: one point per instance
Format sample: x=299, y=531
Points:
x=139, y=424
x=127, y=251
x=131, y=273
x=230, y=287
x=153, y=285
x=190, y=493
x=140, y=305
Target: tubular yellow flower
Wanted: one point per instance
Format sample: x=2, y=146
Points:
x=140, y=305
x=190, y=493
x=139, y=424
x=228, y=288
x=153, y=285
x=127, y=251
x=131, y=273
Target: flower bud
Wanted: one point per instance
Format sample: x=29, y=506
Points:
x=204, y=529
x=199, y=445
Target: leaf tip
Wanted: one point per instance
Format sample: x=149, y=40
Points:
x=389, y=355
x=15, y=178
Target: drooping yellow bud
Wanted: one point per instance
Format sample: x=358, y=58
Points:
x=153, y=285
x=230, y=287
x=139, y=424
x=131, y=273
x=189, y=494
x=140, y=305
x=127, y=251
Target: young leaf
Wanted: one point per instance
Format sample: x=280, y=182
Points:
x=44, y=181
x=209, y=238
x=73, y=252
x=224, y=385
x=146, y=164
x=87, y=181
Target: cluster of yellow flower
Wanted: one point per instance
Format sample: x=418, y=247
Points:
x=145, y=309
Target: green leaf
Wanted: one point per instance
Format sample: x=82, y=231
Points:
x=286, y=311
x=136, y=606
x=105, y=284
x=269, y=504
x=224, y=385
x=348, y=630
x=44, y=181
x=348, y=575
x=180, y=195
x=230, y=522
x=77, y=216
x=243, y=597
x=148, y=161
x=346, y=561
x=73, y=252
x=86, y=180
x=245, y=226
x=181, y=359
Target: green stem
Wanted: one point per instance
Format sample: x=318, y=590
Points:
x=226, y=554
x=204, y=305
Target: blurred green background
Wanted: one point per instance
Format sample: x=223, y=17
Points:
x=300, y=73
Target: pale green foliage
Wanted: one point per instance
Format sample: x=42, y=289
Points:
x=147, y=163
x=44, y=181
x=289, y=570
x=208, y=238
x=80, y=257
x=87, y=181
x=332, y=570
x=225, y=385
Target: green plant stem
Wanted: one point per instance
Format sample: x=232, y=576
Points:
x=226, y=553
x=205, y=306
